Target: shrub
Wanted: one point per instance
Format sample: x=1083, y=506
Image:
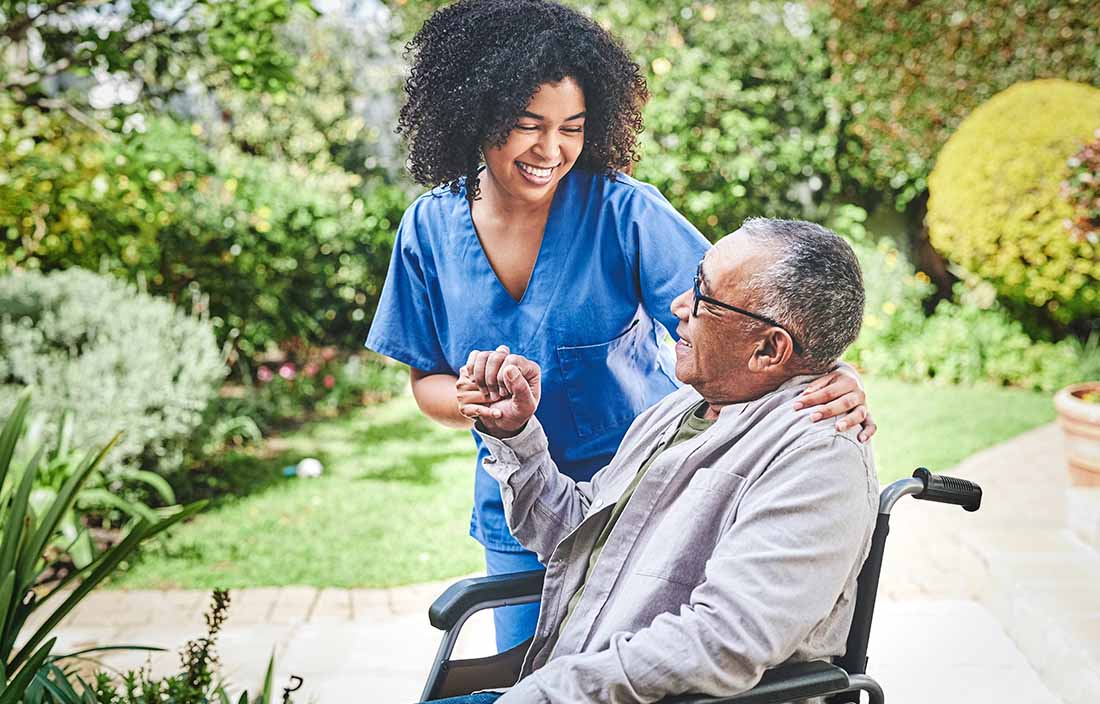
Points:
x=284, y=251
x=279, y=250
x=738, y=123
x=894, y=294
x=197, y=682
x=966, y=340
x=24, y=649
x=963, y=343
x=909, y=72
x=1082, y=191
x=117, y=358
x=995, y=207
x=296, y=384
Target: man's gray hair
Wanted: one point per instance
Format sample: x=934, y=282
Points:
x=814, y=286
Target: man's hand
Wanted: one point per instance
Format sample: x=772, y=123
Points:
x=500, y=390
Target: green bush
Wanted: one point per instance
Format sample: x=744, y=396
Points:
x=894, y=293
x=284, y=251
x=909, y=72
x=114, y=357
x=292, y=388
x=967, y=340
x=739, y=123
x=278, y=250
x=995, y=205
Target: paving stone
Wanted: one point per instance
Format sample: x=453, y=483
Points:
x=477, y=639
x=293, y=605
x=332, y=605
x=114, y=608
x=1083, y=514
x=975, y=662
x=320, y=649
x=369, y=604
x=245, y=650
x=417, y=598
x=183, y=608
x=251, y=606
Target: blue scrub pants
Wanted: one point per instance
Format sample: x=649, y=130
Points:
x=514, y=624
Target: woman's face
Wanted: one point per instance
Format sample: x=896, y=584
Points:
x=543, y=146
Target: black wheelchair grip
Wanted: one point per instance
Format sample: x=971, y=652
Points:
x=948, y=490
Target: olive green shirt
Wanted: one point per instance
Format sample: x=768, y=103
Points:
x=689, y=425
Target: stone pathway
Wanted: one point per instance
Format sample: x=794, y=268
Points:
x=998, y=606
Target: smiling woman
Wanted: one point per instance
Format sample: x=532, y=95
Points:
x=521, y=115
x=546, y=142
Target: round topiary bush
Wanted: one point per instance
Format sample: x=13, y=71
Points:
x=995, y=205
x=118, y=359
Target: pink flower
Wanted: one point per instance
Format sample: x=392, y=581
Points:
x=287, y=371
x=329, y=381
x=264, y=374
x=311, y=369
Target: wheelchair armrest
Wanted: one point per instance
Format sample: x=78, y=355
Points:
x=786, y=683
x=464, y=594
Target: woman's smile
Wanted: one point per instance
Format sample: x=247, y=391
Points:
x=537, y=175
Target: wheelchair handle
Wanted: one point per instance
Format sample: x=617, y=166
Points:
x=948, y=490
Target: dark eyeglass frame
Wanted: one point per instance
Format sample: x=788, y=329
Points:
x=726, y=306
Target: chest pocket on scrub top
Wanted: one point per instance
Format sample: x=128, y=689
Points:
x=607, y=383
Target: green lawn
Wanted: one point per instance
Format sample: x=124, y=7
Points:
x=393, y=505
x=938, y=426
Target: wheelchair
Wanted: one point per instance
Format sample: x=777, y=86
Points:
x=841, y=681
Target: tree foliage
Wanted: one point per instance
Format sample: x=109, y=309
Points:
x=56, y=51
x=275, y=205
x=909, y=72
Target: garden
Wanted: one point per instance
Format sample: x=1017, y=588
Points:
x=198, y=204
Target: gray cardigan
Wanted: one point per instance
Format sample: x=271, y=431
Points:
x=738, y=551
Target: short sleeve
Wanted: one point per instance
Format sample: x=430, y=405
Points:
x=664, y=250
x=403, y=327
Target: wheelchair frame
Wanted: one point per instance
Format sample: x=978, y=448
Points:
x=841, y=681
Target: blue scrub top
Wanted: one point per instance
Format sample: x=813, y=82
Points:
x=595, y=315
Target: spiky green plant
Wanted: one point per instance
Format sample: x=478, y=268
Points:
x=24, y=536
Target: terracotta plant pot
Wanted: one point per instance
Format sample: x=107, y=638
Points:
x=1080, y=419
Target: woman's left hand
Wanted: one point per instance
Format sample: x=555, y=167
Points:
x=839, y=393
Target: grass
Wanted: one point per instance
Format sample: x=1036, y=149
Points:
x=393, y=505
x=939, y=426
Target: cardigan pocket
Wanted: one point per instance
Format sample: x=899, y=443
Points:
x=690, y=528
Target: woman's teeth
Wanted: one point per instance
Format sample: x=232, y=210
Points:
x=534, y=170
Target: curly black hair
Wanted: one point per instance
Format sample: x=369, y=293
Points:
x=476, y=65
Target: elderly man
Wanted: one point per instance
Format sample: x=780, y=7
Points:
x=726, y=535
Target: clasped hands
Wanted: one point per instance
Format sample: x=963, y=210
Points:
x=499, y=391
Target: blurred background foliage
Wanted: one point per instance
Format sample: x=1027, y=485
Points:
x=998, y=206
x=238, y=160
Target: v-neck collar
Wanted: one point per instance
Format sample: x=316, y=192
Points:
x=543, y=284
x=546, y=246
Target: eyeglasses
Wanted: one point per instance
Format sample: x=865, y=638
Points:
x=715, y=302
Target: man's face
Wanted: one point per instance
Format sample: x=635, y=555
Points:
x=715, y=348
